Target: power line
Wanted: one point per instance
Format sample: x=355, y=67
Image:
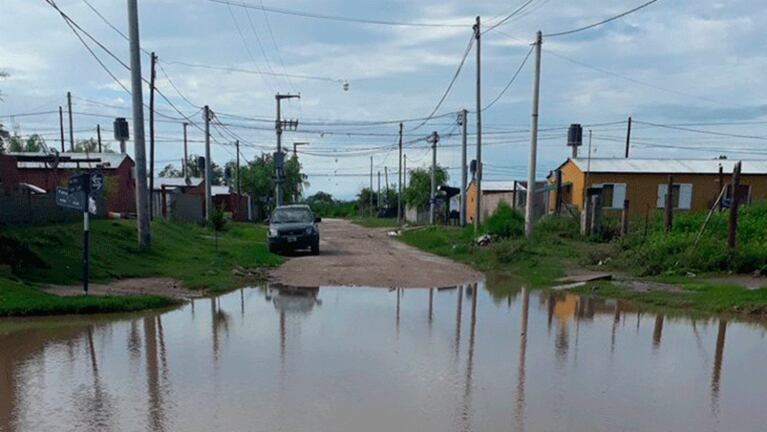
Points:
x=701, y=131
x=276, y=48
x=599, y=23
x=336, y=18
x=256, y=72
x=509, y=16
x=514, y=77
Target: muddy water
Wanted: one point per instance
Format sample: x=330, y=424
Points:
x=343, y=359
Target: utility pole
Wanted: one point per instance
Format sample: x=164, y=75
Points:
x=732, y=229
x=184, y=168
x=237, y=170
x=378, y=195
x=71, y=131
x=404, y=171
x=530, y=202
x=463, y=118
x=433, y=197
x=139, y=152
x=478, y=175
x=98, y=136
x=279, y=160
x=152, y=77
x=628, y=137
x=371, y=187
x=61, y=127
x=386, y=188
x=399, y=179
x=208, y=170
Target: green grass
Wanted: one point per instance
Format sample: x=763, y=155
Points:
x=51, y=254
x=371, y=222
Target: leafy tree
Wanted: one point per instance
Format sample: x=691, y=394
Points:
x=91, y=145
x=323, y=204
x=364, y=200
x=170, y=171
x=258, y=180
x=193, y=170
x=418, y=191
x=33, y=144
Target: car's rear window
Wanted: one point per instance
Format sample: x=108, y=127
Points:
x=290, y=215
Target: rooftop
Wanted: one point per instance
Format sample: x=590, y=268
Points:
x=668, y=166
x=69, y=160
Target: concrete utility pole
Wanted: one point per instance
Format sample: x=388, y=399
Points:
x=463, y=120
x=71, y=131
x=478, y=175
x=152, y=77
x=237, y=170
x=386, y=187
x=732, y=229
x=139, y=152
x=98, y=136
x=378, y=194
x=530, y=202
x=628, y=138
x=371, y=187
x=278, y=126
x=208, y=170
x=399, y=179
x=61, y=127
x=668, y=210
x=433, y=197
x=404, y=171
x=184, y=168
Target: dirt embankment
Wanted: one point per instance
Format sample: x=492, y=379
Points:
x=357, y=256
x=165, y=287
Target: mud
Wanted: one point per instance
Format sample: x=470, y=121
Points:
x=165, y=287
x=356, y=256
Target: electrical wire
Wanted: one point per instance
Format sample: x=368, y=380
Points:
x=247, y=71
x=511, y=81
x=599, y=23
x=282, y=11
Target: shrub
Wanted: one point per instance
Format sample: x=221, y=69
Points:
x=509, y=251
x=505, y=222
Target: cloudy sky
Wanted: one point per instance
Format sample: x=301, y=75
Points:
x=691, y=73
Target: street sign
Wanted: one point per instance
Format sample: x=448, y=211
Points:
x=75, y=200
x=97, y=182
x=80, y=183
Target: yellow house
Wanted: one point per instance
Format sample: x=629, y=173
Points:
x=643, y=182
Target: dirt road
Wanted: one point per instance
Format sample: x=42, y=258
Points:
x=358, y=256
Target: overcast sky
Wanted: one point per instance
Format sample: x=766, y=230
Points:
x=699, y=64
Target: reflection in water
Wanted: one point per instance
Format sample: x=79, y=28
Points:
x=349, y=373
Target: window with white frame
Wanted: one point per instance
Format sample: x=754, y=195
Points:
x=613, y=195
x=681, y=195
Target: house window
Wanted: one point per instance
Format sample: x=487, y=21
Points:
x=613, y=195
x=681, y=196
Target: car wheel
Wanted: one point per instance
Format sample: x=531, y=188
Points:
x=272, y=249
x=316, y=248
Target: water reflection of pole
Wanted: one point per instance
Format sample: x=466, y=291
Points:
x=214, y=328
x=457, y=341
x=467, y=409
x=431, y=304
x=657, y=332
x=616, y=320
x=242, y=302
x=283, y=343
x=397, y=323
x=716, y=375
x=519, y=408
x=152, y=375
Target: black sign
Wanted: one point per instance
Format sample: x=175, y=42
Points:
x=80, y=183
x=67, y=198
x=120, y=127
x=97, y=182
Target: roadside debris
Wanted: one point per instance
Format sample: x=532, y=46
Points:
x=484, y=240
x=394, y=233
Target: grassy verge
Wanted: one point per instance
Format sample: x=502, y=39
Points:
x=371, y=222
x=557, y=247
x=38, y=255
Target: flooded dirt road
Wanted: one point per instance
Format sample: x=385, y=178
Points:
x=352, y=255
x=364, y=359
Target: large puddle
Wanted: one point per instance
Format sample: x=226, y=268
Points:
x=359, y=359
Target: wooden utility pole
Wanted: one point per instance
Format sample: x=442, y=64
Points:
x=668, y=207
x=625, y=219
x=98, y=136
x=732, y=230
x=184, y=168
x=464, y=120
x=370, y=210
x=208, y=170
x=558, y=203
x=530, y=202
x=386, y=190
x=71, y=131
x=433, y=196
x=478, y=175
x=721, y=185
x=61, y=127
x=152, y=77
x=237, y=172
x=628, y=138
x=139, y=151
x=378, y=194
x=399, y=179
x=514, y=201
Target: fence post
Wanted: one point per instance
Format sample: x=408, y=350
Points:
x=625, y=219
x=558, y=204
x=596, y=214
x=586, y=216
x=668, y=207
x=733, y=226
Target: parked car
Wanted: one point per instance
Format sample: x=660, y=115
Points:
x=293, y=227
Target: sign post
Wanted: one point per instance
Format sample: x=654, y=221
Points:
x=78, y=195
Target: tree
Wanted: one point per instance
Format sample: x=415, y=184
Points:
x=33, y=144
x=258, y=180
x=3, y=74
x=418, y=191
x=91, y=145
x=170, y=171
x=193, y=170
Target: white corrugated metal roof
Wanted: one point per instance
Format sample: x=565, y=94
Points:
x=497, y=186
x=105, y=160
x=219, y=190
x=668, y=166
x=176, y=182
